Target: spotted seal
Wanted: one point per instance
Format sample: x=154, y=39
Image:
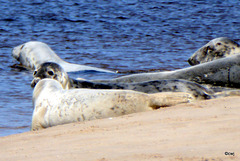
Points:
x=220, y=72
x=33, y=53
x=55, y=71
x=54, y=105
x=217, y=48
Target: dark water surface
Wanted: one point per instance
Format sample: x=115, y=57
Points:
x=123, y=35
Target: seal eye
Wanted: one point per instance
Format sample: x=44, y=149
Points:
x=51, y=73
x=35, y=72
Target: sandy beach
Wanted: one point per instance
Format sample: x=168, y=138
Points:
x=203, y=130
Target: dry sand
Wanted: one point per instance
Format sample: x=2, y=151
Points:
x=204, y=130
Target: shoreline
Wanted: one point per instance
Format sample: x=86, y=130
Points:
x=202, y=130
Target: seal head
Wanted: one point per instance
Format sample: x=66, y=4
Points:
x=53, y=71
x=217, y=48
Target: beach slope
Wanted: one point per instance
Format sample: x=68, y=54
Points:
x=204, y=130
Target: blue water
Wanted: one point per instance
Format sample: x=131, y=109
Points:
x=123, y=35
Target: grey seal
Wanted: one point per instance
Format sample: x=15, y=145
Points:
x=55, y=71
x=220, y=72
x=54, y=105
x=33, y=53
x=217, y=48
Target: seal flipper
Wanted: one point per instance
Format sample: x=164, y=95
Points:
x=166, y=99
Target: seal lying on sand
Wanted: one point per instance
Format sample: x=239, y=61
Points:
x=222, y=72
x=54, y=105
x=215, y=49
x=55, y=71
x=34, y=53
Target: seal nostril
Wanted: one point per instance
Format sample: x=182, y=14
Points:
x=190, y=61
x=33, y=84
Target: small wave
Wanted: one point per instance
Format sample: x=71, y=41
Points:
x=13, y=127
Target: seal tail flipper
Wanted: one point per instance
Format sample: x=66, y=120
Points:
x=227, y=93
x=166, y=99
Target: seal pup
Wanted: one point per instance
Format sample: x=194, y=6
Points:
x=217, y=48
x=55, y=71
x=54, y=105
x=33, y=53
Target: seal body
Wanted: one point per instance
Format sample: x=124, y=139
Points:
x=34, y=53
x=55, y=71
x=54, y=105
x=222, y=72
x=217, y=48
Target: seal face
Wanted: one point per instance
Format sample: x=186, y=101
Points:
x=53, y=71
x=33, y=53
x=215, y=49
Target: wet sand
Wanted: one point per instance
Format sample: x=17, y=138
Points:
x=203, y=130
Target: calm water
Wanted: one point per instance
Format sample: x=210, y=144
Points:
x=121, y=35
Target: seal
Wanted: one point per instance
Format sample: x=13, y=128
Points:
x=220, y=72
x=217, y=48
x=33, y=53
x=55, y=71
x=54, y=105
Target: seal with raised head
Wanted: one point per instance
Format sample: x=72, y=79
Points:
x=33, y=53
x=55, y=71
x=217, y=48
x=54, y=105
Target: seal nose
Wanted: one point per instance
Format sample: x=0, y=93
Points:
x=34, y=82
x=190, y=61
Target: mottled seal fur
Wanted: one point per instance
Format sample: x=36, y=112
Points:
x=55, y=71
x=220, y=72
x=54, y=105
x=33, y=53
x=217, y=48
